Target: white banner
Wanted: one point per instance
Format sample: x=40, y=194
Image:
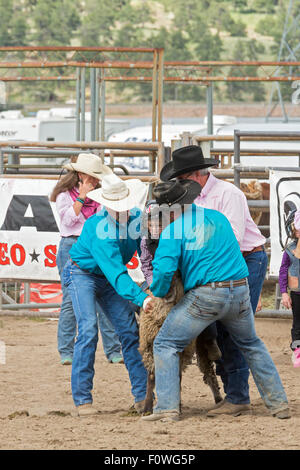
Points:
x=284, y=197
x=29, y=232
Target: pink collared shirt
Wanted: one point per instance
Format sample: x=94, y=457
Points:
x=297, y=220
x=225, y=197
x=70, y=223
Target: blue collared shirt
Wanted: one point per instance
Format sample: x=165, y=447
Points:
x=202, y=245
x=105, y=247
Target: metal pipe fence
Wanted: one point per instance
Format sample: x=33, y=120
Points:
x=256, y=136
x=154, y=150
x=239, y=171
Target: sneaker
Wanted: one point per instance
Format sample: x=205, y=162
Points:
x=67, y=361
x=282, y=414
x=165, y=416
x=296, y=357
x=227, y=408
x=86, y=410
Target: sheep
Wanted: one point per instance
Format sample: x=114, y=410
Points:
x=150, y=324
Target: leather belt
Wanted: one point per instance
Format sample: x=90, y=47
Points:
x=85, y=270
x=257, y=248
x=73, y=262
x=239, y=282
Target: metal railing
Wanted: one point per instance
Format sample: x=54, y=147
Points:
x=261, y=136
x=155, y=151
x=236, y=171
x=10, y=167
x=11, y=151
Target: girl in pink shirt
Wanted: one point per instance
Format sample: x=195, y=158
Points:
x=74, y=208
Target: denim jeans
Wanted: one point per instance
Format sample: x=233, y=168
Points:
x=295, y=331
x=196, y=310
x=67, y=327
x=232, y=367
x=84, y=289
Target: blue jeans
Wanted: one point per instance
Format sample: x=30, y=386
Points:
x=85, y=288
x=67, y=327
x=198, y=309
x=232, y=367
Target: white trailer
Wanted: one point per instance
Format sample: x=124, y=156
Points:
x=144, y=134
x=170, y=132
x=50, y=126
x=57, y=124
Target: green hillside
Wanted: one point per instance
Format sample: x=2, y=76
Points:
x=186, y=29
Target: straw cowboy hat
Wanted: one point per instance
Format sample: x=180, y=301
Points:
x=185, y=160
x=90, y=164
x=120, y=195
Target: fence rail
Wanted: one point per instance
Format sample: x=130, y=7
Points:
x=155, y=151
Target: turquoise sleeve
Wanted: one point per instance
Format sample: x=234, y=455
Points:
x=165, y=263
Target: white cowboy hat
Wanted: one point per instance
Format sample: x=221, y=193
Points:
x=120, y=195
x=90, y=164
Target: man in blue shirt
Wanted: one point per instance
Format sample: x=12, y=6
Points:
x=202, y=245
x=97, y=270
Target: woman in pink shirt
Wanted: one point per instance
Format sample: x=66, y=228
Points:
x=74, y=207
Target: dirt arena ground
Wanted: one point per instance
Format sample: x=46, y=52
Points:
x=36, y=408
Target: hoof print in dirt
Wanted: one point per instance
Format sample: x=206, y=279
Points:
x=16, y=414
x=58, y=413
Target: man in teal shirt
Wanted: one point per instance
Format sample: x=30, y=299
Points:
x=105, y=247
x=97, y=271
x=202, y=245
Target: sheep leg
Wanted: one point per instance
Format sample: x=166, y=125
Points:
x=148, y=407
x=210, y=379
x=207, y=368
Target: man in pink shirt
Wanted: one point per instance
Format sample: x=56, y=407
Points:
x=189, y=163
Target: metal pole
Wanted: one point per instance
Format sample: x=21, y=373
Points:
x=28, y=305
x=77, y=136
x=285, y=314
x=82, y=123
x=237, y=159
x=1, y=162
x=209, y=103
x=146, y=146
x=160, y=93
x=102, y=107
x=92, y=103
x=97, y=105
x=154, y=96
x=26, y=293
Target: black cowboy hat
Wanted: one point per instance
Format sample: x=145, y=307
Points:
x=176, y=192
x=184, y=160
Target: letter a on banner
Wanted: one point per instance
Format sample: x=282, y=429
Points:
x=43, y=218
